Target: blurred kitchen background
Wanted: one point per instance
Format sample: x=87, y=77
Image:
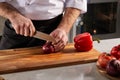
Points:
x=102, y=20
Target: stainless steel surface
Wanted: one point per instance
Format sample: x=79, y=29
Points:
x=44, y=36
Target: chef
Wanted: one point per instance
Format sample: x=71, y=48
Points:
x=54, y=17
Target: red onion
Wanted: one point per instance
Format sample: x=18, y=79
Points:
x=48, y=48
x=113, y=68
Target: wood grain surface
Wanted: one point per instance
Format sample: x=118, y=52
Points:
x=24, y=59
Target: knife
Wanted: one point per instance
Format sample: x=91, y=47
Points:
x=44, y=36
x=39, y=35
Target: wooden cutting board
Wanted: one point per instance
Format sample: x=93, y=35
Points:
x=37, y=60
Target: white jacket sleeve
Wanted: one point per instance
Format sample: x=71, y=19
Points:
x=2, y=0
x=79, y=4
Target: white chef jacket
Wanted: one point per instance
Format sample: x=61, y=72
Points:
x=45, y=9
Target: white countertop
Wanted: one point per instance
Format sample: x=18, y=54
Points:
x=74, y=72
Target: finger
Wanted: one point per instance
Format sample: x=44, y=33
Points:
x=53, y=34
x=22, y=29
x=61, y=44
x=59, y=38
x=27, y=31
x=59, y=47
x=32, y=30
x=57, y=41
x=17, y=29
x=65, y=41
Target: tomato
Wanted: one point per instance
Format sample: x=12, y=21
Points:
x=115, y=51
x=104, y=59
x=83, y=42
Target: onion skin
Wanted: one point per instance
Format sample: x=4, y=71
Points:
x=117, y=62
x=48, y=48
x=112, y=68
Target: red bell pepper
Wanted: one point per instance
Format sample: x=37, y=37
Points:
x=83, y=42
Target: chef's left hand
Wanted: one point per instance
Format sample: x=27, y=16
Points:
x=61, y=39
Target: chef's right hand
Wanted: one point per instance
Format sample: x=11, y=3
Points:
x=23, y=25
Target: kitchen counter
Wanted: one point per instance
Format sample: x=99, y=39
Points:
x=74, y=72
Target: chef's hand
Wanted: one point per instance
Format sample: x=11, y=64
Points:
x=61, y=39
x=23, y=25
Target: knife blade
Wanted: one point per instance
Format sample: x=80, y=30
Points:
x=44, y=36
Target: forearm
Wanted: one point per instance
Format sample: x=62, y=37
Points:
x=8, y=11
x=70, y=16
